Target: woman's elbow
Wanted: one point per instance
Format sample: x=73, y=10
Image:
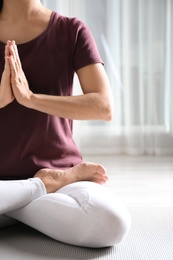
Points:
x=107, y=111
x=108, y=106
x=105, y=108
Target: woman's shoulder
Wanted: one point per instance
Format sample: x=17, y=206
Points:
x=64, y=22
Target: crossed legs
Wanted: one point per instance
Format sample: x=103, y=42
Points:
x=82, y=213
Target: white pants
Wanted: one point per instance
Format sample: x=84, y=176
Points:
x=83, y=213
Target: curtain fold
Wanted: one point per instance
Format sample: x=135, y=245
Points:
x=135, y=40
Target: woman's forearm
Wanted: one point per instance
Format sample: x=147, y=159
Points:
x=90, y=106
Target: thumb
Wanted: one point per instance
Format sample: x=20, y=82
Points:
x=7, y=69
x=7, y=65
x=7, y=72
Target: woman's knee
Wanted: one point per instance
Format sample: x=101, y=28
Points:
x=107, y=221
x=110, y=226
x=118, y=224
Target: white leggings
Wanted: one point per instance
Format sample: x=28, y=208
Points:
x=83, y=213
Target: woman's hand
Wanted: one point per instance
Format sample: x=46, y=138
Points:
x=19, y=82
x=6, y=93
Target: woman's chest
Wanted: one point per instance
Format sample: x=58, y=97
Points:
x=20, y=33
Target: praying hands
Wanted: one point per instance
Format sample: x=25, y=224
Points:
x=6, y=93
x=14, y=84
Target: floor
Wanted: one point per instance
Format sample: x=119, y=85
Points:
x=139, y=181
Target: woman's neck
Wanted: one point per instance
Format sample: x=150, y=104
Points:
x=21, y=9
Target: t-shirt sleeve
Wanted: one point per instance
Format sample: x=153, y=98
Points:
x=85, y=49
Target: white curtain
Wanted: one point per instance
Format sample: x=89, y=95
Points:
x=135, y=39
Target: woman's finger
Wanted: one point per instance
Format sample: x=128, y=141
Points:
x=9, y=43
x=12, y=52
x=17, y=58
x=11, y=46
x=6, y=51
x=6, y=57
x=17, y=53
x=12, y=66
x=7, y=67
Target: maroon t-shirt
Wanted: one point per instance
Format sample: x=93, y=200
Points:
x=31, y=140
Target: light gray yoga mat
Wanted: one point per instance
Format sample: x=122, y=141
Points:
x=150, y=238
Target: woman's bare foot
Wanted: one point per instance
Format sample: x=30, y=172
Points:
x=55, y=179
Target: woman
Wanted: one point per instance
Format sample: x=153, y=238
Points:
x=44, y=182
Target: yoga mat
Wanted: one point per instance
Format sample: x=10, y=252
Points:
x=150, y=238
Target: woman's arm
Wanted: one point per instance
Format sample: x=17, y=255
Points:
x=94, y=104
